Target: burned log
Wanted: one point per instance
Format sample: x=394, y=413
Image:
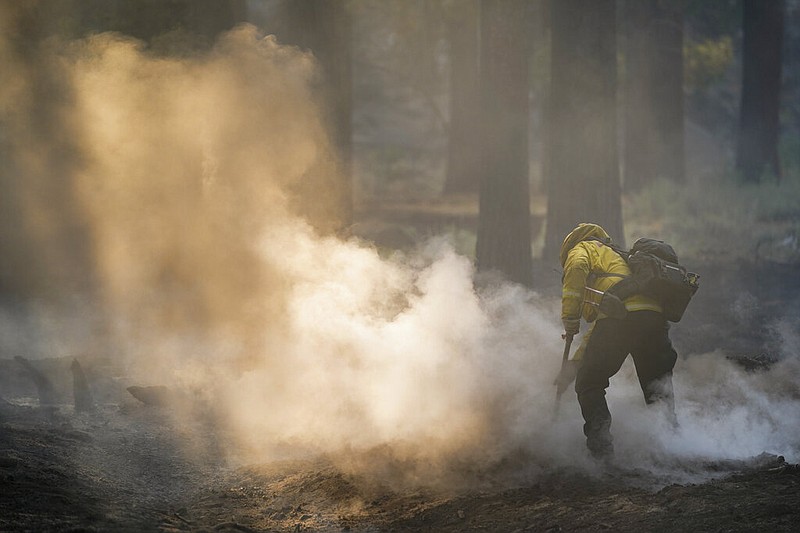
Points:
x=80, y=387
x=157, y=395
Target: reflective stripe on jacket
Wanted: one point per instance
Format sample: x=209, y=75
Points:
x=593, y=264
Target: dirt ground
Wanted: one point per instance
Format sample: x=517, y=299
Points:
x=127, y=470
x=133, y=467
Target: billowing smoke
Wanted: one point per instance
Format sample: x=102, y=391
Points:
x=187, y=164
x=198, y=189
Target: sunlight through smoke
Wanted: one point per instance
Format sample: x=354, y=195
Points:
x=202, y=182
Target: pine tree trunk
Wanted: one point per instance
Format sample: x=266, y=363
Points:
x=45, y=246
x=324, y=27
x=504, y=237
x=654, y=133
x=463, y=172
x=757, y=150
x=581, y=147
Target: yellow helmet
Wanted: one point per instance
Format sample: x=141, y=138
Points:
x=582, y=232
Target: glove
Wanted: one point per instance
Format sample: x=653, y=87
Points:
x=571, y=325
x=612, y=306
x=567, y=374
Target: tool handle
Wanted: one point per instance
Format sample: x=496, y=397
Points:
x=567, y=344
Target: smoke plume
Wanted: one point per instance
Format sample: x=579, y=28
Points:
x=184, y=202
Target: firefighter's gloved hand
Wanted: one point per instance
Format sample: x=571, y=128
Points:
x=571, y=325
x=567, y=375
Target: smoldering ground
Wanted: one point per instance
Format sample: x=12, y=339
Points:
x=196, y=188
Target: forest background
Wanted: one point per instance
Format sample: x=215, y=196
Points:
x=498, y=124
x=678, y=119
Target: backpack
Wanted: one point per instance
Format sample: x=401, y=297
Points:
x=656, y=272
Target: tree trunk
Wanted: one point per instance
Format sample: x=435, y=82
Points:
x=654, y=140
x=463, y=172
x=45, y=246
x=504, y=237
x=148, y=19
x=581, y=148
x=757, y=150
x=324, y=27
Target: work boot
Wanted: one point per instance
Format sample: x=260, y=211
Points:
x=598, y=439
x=600, y=449
x=659, y=394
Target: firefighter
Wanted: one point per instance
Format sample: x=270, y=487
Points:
x=590, y=268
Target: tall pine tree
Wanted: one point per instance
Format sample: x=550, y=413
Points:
x=581, y=145
x=654, y=135
x=504, y=236
x=757, y=148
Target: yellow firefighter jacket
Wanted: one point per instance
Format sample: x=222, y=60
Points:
x=589, y=263
x=592, y=264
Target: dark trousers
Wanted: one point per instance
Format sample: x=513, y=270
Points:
x=645, y=336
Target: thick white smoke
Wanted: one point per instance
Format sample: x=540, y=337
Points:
x=194, y=184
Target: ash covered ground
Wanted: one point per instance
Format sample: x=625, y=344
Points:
x=156, y=466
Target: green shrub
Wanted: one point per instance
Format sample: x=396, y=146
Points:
x=706, y=62
x=722, y=220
